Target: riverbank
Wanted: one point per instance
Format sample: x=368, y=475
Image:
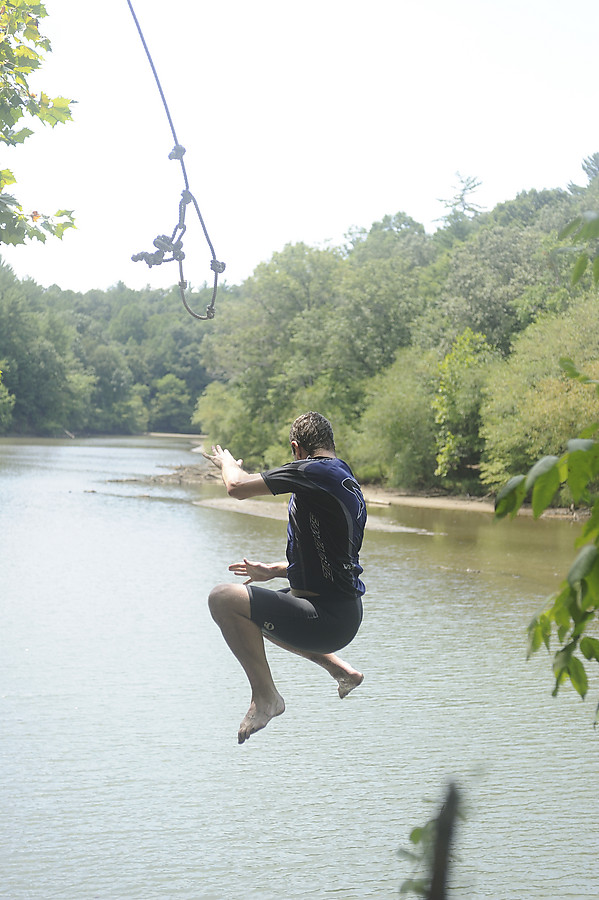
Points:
x=388, y=497
x=381, y=496
x=375, y=495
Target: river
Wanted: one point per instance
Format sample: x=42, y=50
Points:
x=120, y=773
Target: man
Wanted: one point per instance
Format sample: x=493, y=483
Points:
x=321, y=610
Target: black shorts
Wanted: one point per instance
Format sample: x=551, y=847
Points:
x=317, y=624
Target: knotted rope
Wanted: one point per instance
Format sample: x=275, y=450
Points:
x=174, y=244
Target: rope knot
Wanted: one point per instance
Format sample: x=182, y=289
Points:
x=177, y=152
x=217, y=266
x=152, y=259
x=164, y=243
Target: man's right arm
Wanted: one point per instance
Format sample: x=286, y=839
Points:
x=242, y=485
x=239, y=484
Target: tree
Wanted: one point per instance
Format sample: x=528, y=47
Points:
x=274, y=338
x=7, y=401
x=531, y=408
x=532, y=208
x=222, y=415
x=170, y=408
x=399, y=420
x=494, y=283
x=393, y=234
x=590, y=166
x=21, y=53
x=380, y=294
x=113, y=408
x=461, y=202
x=35, y=370
x=462, y=375
x=460, y=219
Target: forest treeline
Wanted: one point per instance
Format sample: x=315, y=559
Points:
x=434, y=355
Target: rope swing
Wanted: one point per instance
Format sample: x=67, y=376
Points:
x=174, y=244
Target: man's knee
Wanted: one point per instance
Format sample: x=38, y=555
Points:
x=217, y=600
x=226, y=599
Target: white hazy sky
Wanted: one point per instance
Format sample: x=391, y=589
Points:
x=300, y=120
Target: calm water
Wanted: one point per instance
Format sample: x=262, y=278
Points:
x=120, y=774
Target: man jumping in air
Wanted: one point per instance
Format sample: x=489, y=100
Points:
x=321, y=611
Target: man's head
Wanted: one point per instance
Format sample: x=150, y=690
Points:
x=312, y=432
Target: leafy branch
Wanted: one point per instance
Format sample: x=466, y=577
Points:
x=576, y=606
x=432, y=855
x=21, y=54
x=16, y=225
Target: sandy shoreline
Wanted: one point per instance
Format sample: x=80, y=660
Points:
x=275, y=508
x=373, y=494
x=388, y=497
x=378, y=496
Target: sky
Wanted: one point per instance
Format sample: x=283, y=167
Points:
x=301, y=121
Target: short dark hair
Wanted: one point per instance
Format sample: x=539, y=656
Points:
x=312, y=432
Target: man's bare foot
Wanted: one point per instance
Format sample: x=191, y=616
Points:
x=348, y=681
x=259, y=715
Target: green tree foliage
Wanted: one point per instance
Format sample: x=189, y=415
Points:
x=356, y=331
x=394, y=441
x=170, y=409
x=221, y=415
x=461, y=218
x=21, y=53
x=498, y=282
x=585, y=228
x=7, y=401
x=462, y=374
x=64, y=369
x=278, y=336
x=35, y=372
x=590, y=166
x=531, y=408
x=380, y=293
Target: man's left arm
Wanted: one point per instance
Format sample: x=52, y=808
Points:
x=239, y=484
x=259, y=571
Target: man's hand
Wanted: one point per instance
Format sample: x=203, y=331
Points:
x=222, y=457
x=239, y=484
x=258, y=571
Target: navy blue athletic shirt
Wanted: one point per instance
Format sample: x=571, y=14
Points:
x=327, y=514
